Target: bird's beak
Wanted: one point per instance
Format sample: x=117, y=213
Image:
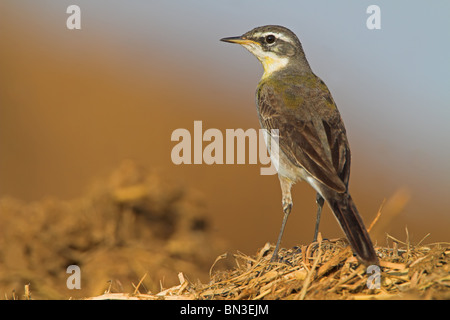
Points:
x=239, y=40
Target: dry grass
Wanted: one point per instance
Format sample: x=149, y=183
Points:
x=321, y=270
x=326, y=269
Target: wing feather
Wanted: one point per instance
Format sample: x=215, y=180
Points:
x=311, y=132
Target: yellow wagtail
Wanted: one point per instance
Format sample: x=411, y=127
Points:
x=313, y=145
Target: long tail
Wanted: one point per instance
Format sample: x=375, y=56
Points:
x=351, y=223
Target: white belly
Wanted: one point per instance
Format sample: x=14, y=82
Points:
x=294, y=173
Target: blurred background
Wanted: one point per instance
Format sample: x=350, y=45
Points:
x=74, y=104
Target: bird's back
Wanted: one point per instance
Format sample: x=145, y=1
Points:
x=312, y=134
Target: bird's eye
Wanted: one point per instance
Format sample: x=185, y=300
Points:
x=270, y=38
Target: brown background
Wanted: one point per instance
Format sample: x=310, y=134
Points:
x=74, y=104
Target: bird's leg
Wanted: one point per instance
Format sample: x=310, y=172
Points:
x=286, y=185
x=320, y=201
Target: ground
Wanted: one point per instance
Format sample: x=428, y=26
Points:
x=136, y=235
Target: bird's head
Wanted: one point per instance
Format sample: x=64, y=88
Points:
x=276, y=47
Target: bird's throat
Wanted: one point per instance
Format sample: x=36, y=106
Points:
x=273, y=64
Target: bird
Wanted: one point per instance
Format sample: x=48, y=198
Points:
x=297, y=109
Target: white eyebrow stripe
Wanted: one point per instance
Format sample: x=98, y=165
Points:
x=276, y=34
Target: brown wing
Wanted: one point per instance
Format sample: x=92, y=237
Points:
x=311, y=132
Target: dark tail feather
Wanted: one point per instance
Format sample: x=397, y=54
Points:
x=351, y=223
